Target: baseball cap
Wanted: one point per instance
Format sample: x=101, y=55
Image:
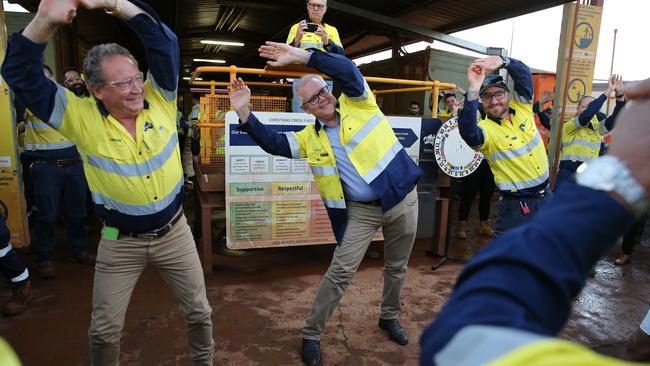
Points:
x=493, y=80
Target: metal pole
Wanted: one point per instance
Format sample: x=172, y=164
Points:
x=611, y=66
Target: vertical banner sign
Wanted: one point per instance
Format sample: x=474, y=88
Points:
x=12, y=203
x=583, y=60
x=273, y=201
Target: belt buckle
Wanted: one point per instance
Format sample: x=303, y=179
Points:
x=147, y=236
x=60, y=163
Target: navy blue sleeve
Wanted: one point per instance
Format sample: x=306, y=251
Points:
x=601, y=116
x=272, y=142
x=610, y=122
x=23, y=71
x=467, y=124
x=20, y=108
x=160, y=44
x=334, y=48
x=523, y=80
x=342, y=70
x=544, y=119
x=591, y=110
x=527, y=278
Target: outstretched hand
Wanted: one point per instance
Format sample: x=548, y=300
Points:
x=240, y=98
x=490, y=63
x=546, y=97
x=619, y=86
x=280, y=54
x=475, y=77
x=58, y=12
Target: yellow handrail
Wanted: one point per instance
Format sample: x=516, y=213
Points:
x=233, y=70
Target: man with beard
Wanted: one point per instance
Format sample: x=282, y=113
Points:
x=73, y=81
x=508, y=137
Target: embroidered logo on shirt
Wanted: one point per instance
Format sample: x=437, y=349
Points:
x=147, y=126
x=522, y=127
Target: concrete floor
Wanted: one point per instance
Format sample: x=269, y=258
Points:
x=260, y=301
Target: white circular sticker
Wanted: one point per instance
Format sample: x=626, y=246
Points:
x=453, y=155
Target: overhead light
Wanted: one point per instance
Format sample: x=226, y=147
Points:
x=210, y=60
x=222, y=43
x=189, y=78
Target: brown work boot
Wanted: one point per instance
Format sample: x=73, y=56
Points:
x=83, y=258
x=462, y=229
x=22, y=296
x=624, y=259
x=46, y=269
x=485, y=228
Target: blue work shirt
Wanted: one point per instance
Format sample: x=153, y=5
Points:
x=355, y=188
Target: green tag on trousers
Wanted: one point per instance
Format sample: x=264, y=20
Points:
x=110, y=233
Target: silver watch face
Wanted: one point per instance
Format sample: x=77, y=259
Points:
x=599, y=174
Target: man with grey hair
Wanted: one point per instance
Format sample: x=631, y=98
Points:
x=365, y=178
x=129, y=146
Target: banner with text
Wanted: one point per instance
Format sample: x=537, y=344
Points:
x=273, y=201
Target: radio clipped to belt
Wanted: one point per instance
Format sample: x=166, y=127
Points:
x=525, y=210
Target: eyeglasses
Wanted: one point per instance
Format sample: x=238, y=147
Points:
x=486, y=97
x=316, y=6
x=73, y=78
x=125, y=84
x=316, y=98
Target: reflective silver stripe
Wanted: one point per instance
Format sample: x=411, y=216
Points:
x=37, y=125
x=481, y=344
x=21, y=277
x=603, y=128
x=53, y=146
x=138, y=210
x=574, y=157
x=140, y=169
x=516, y=186
x=363, y=132
x=318, y=45
x=576, y=122
x=5, y=250
x=511, y=154
x=60, y=104
x=334, y=203
x=581, y=142
x=293, y=144
x=645, y=324
x=324, y=170
x=363, y=96
x=383, y=163
x=520, y=98
x=169, y=95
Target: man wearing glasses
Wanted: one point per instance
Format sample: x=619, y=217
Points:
x=508, y=138
x=365, y=177
x=73, y=81
x=129, y=146
x=313, y=32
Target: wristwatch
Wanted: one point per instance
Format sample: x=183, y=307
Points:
x=609, y=174
x=505, y=60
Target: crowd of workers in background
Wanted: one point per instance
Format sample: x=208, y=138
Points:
x=91, y=142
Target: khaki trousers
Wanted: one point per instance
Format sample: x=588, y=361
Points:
x=119, y=264
x=399, y=227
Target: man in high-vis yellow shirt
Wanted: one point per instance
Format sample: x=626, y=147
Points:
x=313, y=32
x=508, y=137
x=129, y=146
x=364, y=175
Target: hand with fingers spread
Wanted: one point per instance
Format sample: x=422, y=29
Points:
x=240, y=98
x=619, y=86
x=546, y=97
x=611, y=85
x=280, y=54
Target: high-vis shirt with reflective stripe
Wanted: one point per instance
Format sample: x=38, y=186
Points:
x=311, y=40
x=135, y=183
x=40, y=136
x=581, y=143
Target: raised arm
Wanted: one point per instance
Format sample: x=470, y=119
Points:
x=619, y=90
x=467, y=124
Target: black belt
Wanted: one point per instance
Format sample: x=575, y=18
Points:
x=158, y=233
x=61, y=163
x=535, y=195
x=376, y=202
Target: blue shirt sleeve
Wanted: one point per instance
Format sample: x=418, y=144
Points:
x=342, y=70
x=332, y=47
x=467, y=124
x=523, y=80
x=610, y=122
x=270, y=141
x=589, y=112
x=527, y=278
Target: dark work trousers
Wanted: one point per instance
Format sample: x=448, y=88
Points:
x=11, y=267
x=633, y=235
x=510, y=213
x=481, y=180
x=51, y=183
x=25, y=162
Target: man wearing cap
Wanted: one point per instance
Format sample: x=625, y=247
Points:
x=508, y=137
